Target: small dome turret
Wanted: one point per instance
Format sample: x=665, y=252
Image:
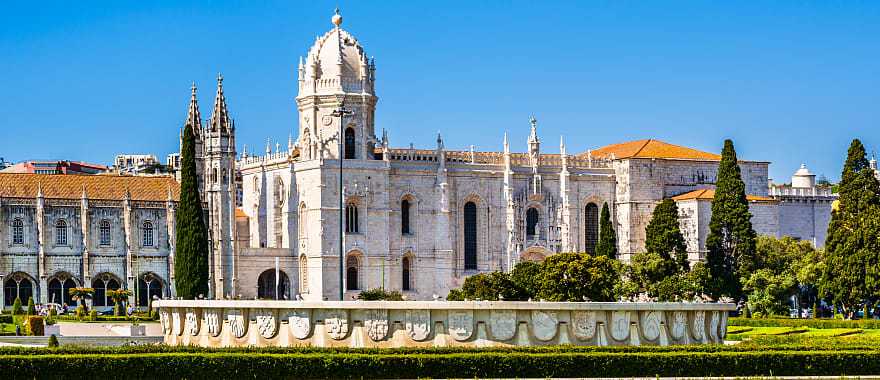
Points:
x=803, y=178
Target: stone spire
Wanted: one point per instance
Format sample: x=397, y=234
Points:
x=268, y=146
x=290, y=144
x=193, y=116
x=534, y=143
x=220, y=116
x=562, y=154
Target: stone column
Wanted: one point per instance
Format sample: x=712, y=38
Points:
x=170, y=224
x=131, y=276
x=41, y=252
x=84, y=225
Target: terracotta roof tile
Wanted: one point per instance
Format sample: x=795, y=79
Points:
x=709, y=194
x=97, y=186
x=651, y=149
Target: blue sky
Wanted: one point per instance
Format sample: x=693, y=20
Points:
x=789, y=81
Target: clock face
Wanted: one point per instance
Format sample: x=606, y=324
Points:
x=327, y=119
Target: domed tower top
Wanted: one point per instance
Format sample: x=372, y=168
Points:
x=803, y=178
x=336, y=63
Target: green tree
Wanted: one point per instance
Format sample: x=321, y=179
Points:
x=525, y=276
x=607, y=244
x=486, y=286
x=663, y=237
x=731, y=240
x=769, y=292
x=579, y=277
x=851, y=273
x=191, y=257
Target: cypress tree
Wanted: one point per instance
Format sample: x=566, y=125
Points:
x=851, y=248
x=663, y=238
x=731, y=240
x=607, y=244
x=191, y=257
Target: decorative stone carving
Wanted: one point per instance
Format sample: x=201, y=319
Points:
x=651, y=325
x=461, y=324
x=714, y=321
x=679, y=325
x=502, y=324
x=619, y=325
x=336, y=324
x=236, y=321
x=165, y=319
x=583, y=324
x=722, y=329
x=300, y=323
x=418, y=324
x=699, y=327
x=544, y=324
x=212, y=321
x=266, y=323
x=176, y=323
x=192, y=322
x=377, y=324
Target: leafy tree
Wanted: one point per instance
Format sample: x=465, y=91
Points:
x=486, y=286
x=769, y=291
x=119, y=296
x=731, y=240
x=525, y=276
x=607, y=244
x=16, y=307
x=191, y=258
x=579, y=277
x=851, y=272
x=53, y=341
x=663, y=237
x=81, y=294
x=380, y=294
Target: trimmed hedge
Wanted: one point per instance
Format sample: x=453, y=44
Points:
x=460, y=365
x=811, y=323
x=6, y=318
x=104, y=318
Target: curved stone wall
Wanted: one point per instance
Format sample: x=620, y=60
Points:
x=219, y=323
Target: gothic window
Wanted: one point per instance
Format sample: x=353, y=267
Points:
x=149, y=288
x=349, y=143
x=406, y=267
x=404, y=217
x=268, y=287
x=591, y=227
x=278, y=220
x=351, y=219
x=352, y=267
x=59, y=291
x=17, y=232
x=101, y=286
x=104, y=232
x=470, y=235
x=60, y=232
x=531, y=223
x=303, y=274
x=303, y=221
x=147, y=230
x=17, y=286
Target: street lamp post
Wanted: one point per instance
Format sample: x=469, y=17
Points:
x=341, y=112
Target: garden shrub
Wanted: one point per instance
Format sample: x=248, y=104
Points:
x=6, y=318
x=32, y=309
x=53, y=341
x=16, y=307
x=93, y=315
x=33, y=325
x=380, y=294
x=80, y=312
x=811, y=323
x=453, y=365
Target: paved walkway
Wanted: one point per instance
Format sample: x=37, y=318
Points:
x=105, y=328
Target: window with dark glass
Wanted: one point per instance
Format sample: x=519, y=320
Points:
x=351, y=219
x=531, y=223
x=591, y=227
x=349, y=143
x=470, y=235
x=351, y=273
x=404, y=217
x=17, y=232
x=148, y=234
x=104, y=232
x=61, y=232
x=406, y=270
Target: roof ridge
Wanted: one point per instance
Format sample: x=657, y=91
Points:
x=648, y=141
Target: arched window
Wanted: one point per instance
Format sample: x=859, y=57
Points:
x=60, y=232
x=149, y=287
x=303, y=274
x=591, y=227
x=101, y=286
x=17, y=286
x=303, y=221
x=351, y=219
x=352, y=267
x=470, y=235
x=404, y=217
x=17, y=232
x=59, y=291
x=104, y=232
x=278, y=212
x=269, y=288
x=531, y=223
x=147, y=230
x=406, y=268
x=349, y=143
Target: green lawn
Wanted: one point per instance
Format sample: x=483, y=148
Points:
x=799, y=333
